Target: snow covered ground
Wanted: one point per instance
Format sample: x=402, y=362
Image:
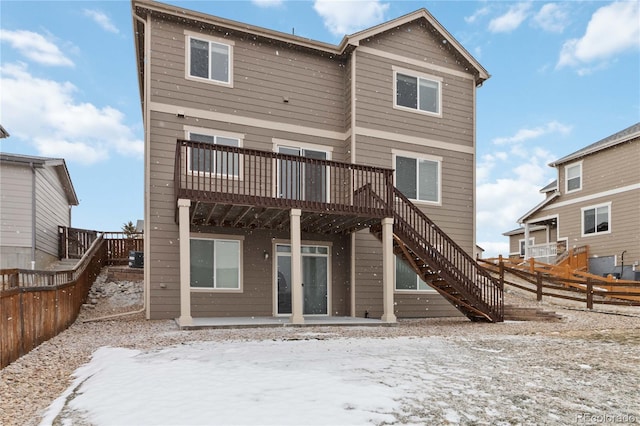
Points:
x=129, y=371
x=323, y=379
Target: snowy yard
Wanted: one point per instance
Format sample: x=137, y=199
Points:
x=125, y=371
x=322, y=379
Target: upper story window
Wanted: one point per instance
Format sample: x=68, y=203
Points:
x=596, y=220
x=418, y=178
x=418, y=92
x=209, y=59
x=210, y=161
x=573, y=177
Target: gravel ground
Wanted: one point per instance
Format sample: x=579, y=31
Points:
x=591, y=357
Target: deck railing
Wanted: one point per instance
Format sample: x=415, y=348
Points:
x=219, y=173
x=445, y=256
x=119, y=244
x=74, y=242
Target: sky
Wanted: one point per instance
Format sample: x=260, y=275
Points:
x=563, y=75
x=314, y=378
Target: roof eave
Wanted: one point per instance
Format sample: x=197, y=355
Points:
x=584, y=153
x=482, y=74
x=539, y=206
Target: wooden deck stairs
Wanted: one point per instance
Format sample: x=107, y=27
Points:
x=442, y=264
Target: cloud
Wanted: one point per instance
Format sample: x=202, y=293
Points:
x=346, y=17
x=613, y=29
x=267, y=3
x=523, y=135
x=35, y=47
x=552, y=17
x=477, y=14
x=510, y=20
x=101, y=19
x=46, y=114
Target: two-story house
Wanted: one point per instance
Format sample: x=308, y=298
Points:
x=290, y=177
x=594, y=203
x=36, y=196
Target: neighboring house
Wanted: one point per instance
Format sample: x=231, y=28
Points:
x=36, y=196
x=269, y=170
x=594, y=202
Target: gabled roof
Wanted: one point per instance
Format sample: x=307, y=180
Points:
x=58, y=163
x=348, y=42
x=539, y=206
x=3, y=132
x=520, y=230
x=552, y=186
x=622, y=136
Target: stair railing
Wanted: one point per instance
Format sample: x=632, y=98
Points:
x=445, y=256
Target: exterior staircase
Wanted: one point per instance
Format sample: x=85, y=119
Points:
x=442, y=264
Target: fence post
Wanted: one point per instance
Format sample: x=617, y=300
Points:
x=501, y=269
x=538, y=286
x=589, y=293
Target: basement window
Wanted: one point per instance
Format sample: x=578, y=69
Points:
x=406, y=278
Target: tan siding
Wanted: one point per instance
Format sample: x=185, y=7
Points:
x=624, y=235
x=368, y=287
x=419, y=41
x=263, y=74
x=608, y=169
x=15, y=205
x=52, y=210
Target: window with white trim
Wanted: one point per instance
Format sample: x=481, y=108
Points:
x=522, y=247
x=416, y=92
x=418, y=178
x=209, y=60
x=573, y=177
x=596, y=220
x=209, y=161
x=215, y=264
x=406, y=278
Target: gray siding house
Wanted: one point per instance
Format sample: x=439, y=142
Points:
x=285, y=176
x=36, y=196
x=594, y=202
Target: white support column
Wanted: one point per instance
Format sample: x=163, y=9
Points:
x=387, y=270
x=185, y=263
x=296, y=268
x=527, y=252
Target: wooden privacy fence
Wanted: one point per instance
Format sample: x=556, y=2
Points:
x=568, y=285
x=120, y=244
x=37, y=305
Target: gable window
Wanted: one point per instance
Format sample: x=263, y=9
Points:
x=406, y=278
x=215, y=264
x=573, y=177
x=209, y=59
x=210, y=161
x=418, y=178
x=417, y=92
x=596, y=220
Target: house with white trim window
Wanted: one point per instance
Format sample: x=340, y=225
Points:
x=594, y=203
x=288, y=177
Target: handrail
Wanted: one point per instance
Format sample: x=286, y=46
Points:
x=219, y=173
x=445, y=256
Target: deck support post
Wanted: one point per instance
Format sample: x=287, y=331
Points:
x=387, y=270
x=296, y=268
x=185, y=263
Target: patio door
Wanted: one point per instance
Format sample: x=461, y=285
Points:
x=315, y=279
x=302, y=181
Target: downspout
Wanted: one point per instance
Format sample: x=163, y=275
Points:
x=33, y=216
x=145, y=118
x=146, y=114
x=352, y=278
